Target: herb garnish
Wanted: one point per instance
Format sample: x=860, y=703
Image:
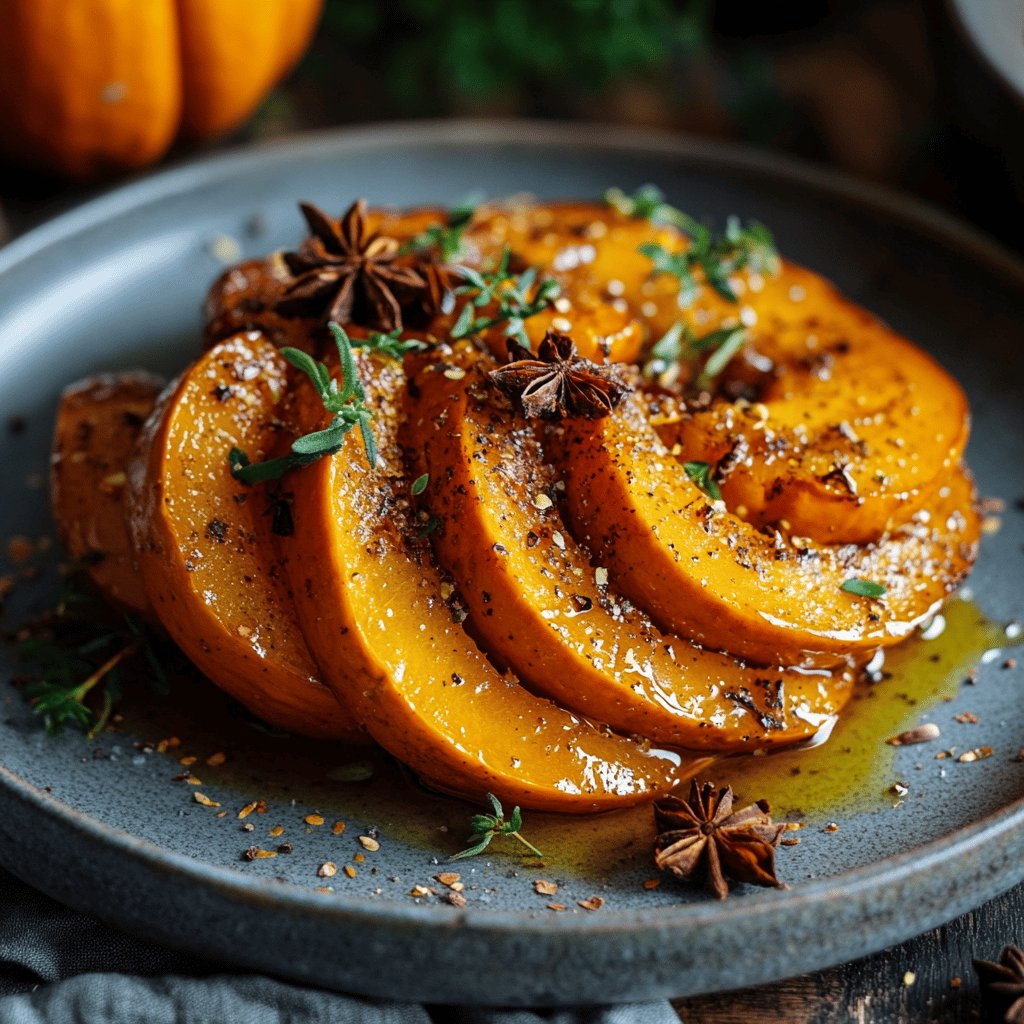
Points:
x=748, y=247
x=486, y=826
x=648, y=203
x=701, y=474
x=518, y=297
x=419, y=485
x=389, y=344
x=445, y=238
x=680, y=344
x=347, y=404
x=70, y=675
x=862, y=588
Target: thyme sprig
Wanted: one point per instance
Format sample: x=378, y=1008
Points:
x=446, y=238
x=70, y=678
x=389, y=344
x=742, y=246
x=486, y=826
x=517, y=296
x=681, y=344
x=346, y=403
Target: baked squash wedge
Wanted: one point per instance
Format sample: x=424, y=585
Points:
x=704, y=573
x=204, y=541
x=385, y=628
x=98, y=424
x=853, y=428
x=536, y=602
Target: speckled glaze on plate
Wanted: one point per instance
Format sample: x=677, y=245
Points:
x=118, y=282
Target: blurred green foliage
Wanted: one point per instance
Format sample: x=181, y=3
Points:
x=428, y=52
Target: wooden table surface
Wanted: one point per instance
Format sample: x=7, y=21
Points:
x=928, y=979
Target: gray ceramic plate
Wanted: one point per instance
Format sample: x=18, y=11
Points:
x=119, y=281
x=996, y=30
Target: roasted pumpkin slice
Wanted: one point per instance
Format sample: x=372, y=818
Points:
x=703, y=572
x=204, y=542
x=538, y=605
x=98, y=423
x=854, y=427
x=386, y=630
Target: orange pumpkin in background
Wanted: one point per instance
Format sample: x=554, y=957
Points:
x=90, y=88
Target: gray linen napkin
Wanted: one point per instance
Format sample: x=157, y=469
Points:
x=55, y=968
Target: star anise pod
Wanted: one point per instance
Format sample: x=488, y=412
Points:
x=1002, y=987
x=347, y=274
x=557, y=382
x=702, y=837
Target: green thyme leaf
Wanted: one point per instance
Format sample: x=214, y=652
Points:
x=419, y=485
x=863, y=588
x=666, y=351
x=346, y=403
x=701, y=474
x=724, y=344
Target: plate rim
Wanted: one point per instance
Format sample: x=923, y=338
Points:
x=889, y=873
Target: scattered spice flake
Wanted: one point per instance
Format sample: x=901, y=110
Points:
x=216, y=760
x=542, y=501
x=909, y=978
x=652, y=883
x=369, y=843
x=327, y=870
x=202, y=798
x=456, y=899
x=919, y=734
x=247, y=810
x=419, y=891
x=831, y=827
x=359, y=858
x=790, y=842
x=557, y=906
x=977, y=754
x=966, y=718
x=1010, y=663
x=338, y=827
x=285, y=848
x=255, y=853
x=349, y=870
x=248, y=827
x=314, y=819
x=277, y=830
x=187, y=762
x=171, y=743
x=545, y=888
x=447, y=878
x=955, y=982
x=325, y=889
x=192, y=780
x=594, y=903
